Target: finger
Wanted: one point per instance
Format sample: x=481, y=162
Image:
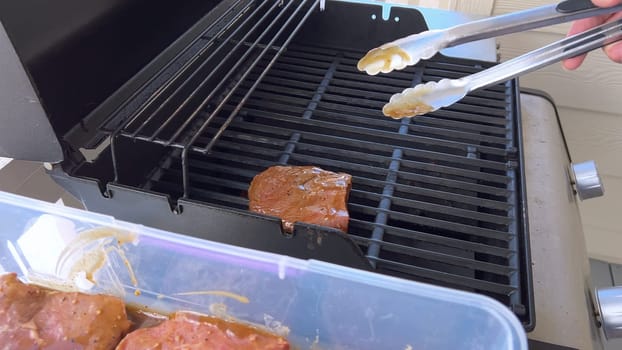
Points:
x=614, y=51
x=574, y=63
x=586, y=23
x=579, y=27
x=606, y=3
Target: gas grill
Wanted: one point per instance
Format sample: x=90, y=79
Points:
x=252, y=84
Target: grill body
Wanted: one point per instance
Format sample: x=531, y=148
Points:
x=438, y=198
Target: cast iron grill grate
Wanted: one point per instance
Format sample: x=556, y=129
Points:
x=435, y=198
x=430, y=196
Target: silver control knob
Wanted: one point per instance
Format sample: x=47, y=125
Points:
x=609, y=302
x=587, y=181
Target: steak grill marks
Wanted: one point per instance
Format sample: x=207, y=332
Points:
x=434, y=198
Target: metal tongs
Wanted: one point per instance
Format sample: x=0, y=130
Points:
x=428, y=97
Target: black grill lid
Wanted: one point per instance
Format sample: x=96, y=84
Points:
x=25, y=132
x=76, y=54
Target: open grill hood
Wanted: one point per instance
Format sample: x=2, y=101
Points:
x=189, y=102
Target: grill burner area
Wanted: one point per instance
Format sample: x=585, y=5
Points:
x=420, y=194
x=436, y=198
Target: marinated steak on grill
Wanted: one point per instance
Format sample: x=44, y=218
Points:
x=32, y=317
x=302, y=193
x=196, y=332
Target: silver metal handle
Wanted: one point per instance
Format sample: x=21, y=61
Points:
x=542, y=16
x=609, y=302
x=566, y=48
x=587, y=181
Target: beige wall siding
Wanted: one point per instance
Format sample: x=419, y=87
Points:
x=480, y=7
x=506, y=6
x=599, y=217
x=592, y=87
x=597, y=136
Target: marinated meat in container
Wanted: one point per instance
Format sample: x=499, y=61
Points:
x=284, y=301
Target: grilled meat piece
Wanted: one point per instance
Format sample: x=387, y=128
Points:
x=302, y=193
x=32, y=317
x=191, y=331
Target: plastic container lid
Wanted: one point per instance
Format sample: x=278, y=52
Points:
x=320, y=305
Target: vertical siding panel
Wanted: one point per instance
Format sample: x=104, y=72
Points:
x=478, y=7
x=600, y=273
x=616, y=274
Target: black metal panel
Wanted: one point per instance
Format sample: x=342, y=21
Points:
x=25, y=131
x=78, y=53
x=215, y=223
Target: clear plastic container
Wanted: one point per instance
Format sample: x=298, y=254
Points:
x=323, y=306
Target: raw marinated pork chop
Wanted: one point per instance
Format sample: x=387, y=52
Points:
x=302, y=193
x=32, y=317
x=190, y=331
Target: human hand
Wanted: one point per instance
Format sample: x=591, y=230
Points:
x=613, y=51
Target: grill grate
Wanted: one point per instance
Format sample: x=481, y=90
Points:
x=430, y=196
x=434, y=198
x=174, y=114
